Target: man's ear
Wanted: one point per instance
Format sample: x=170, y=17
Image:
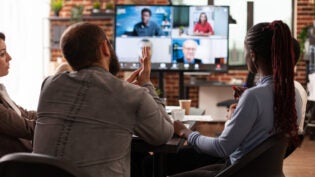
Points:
x=104, y=48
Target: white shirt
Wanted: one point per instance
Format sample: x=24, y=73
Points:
x=300, y=104
x=6, y=97
x=311, y=87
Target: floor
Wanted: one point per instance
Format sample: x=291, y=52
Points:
x=301, y=163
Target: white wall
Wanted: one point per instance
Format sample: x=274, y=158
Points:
x=208, y=50
x=25, y=24
x=209, y=96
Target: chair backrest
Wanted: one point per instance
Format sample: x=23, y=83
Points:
x=266, y=160
x=291, y=148
x=37, y=165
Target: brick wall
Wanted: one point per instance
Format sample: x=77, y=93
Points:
x=106, y=24
x=305, y=16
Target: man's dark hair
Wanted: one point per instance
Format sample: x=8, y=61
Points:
x=2, y=36
x=80, y=44
x=146, y=10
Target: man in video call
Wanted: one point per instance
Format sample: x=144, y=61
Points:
x=147, y=27
x=189, y=51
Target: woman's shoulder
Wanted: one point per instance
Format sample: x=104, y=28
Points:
x=259, y=92
x=259, y=89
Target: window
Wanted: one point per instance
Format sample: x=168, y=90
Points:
x=264, y=11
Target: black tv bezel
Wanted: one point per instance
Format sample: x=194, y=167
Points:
x=130, y=66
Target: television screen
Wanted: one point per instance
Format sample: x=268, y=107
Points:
x=181, y=37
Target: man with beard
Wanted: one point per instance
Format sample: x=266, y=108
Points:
x=147, y=27
x=88, y=116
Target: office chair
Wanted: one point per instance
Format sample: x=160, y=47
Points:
x=266, y=160
x=37, y=165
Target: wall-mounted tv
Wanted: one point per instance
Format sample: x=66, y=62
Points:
x=190, y=38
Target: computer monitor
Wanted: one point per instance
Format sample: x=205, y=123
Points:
x=178, y=36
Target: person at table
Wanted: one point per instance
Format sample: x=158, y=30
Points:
x=147, y=27
x=300, y=93
x=189, y=51
x=16, y=124
x=203, y=27
x=300, y=101
x=88, y=116
x=261, y=111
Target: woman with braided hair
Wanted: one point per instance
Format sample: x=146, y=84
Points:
x=263, y=110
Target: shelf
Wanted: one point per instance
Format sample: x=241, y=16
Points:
x=103, y=16
x=205, y=83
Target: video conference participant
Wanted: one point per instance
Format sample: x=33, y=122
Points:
x=189, y=51
x=203, y=27
x=147, y=27
x=88, y=116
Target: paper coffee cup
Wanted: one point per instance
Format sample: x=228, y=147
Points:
x=185, y=104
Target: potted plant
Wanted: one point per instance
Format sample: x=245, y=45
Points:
x=96, y=7
x=303, y=36
x=109, y=7
x=181, y=30
x=161, y=95
x=159, y=92
x=56, y=6
x=77, y=12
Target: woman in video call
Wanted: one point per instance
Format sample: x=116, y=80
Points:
x=202, y=27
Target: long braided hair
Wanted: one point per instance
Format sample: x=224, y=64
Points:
x=273, y=41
